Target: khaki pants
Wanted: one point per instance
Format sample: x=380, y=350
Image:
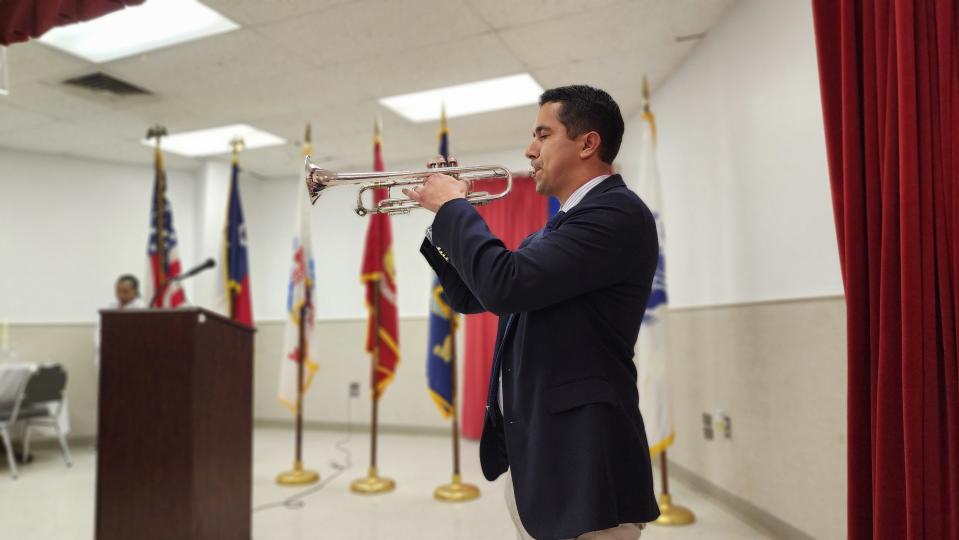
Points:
x=626, y=531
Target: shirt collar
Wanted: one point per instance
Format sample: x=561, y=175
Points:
x=581, y=192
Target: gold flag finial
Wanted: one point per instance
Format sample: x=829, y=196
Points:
x=645, y=94
x=237, y=144
x=308, y=140
x=157, y=132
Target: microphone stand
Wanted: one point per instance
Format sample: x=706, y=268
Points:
x=209, y=263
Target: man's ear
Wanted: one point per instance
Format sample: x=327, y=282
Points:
x=590, y=145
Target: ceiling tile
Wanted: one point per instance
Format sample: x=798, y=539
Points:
x=206, y=66
x=35, y=62
x=502, y=14
x=365, y=29
x=466, y=60
x=12, y=118
x=251, y=13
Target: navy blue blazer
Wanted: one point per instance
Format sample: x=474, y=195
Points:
x=570, y=301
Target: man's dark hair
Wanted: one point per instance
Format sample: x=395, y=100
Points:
x=588, y=109
x=132, y=280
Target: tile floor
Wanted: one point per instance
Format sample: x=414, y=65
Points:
x=51, y=502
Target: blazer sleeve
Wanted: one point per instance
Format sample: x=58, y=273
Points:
x=594, y=247
x=461, y=299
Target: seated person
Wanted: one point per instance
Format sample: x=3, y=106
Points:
x=127, y=293
x=127, y=297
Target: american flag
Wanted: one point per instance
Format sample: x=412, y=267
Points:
x=163, y=263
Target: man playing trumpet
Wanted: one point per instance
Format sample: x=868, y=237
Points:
x=562, y=415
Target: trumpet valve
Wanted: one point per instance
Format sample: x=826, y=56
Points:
x=440, y=162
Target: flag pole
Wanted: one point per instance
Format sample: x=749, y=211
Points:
x=299, y=476
x=455, y=491
x=374, y=483
x=669, y=513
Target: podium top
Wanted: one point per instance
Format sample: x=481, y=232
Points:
x=201, y=314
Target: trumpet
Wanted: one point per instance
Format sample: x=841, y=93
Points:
x=319, y=180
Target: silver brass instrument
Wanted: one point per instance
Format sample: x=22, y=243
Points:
x=319, y=180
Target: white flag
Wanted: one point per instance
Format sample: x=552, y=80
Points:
x=301, y=286
x=655, y=399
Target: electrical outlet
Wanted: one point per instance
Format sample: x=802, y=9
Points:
x=725, y=423
x=354, y=389
x=707, y=426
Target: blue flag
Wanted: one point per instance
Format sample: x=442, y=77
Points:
x=441, y=351
x=441, y=348
x=237, y=265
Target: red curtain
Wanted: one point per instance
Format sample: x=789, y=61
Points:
x=511, y=219
x=21, y=20
x=889, y=77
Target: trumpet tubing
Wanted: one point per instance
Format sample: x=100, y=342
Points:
x=319, y=180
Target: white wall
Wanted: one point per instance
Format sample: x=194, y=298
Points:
x=742, y=161
x=69, y=227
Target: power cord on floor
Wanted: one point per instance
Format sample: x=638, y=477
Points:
x=295, y=502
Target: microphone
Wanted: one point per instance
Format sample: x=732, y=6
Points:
x=205, y=265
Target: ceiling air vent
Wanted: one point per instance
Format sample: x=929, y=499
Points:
x=101, y=82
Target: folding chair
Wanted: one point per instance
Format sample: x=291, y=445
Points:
x=13, y=383
x=42, y=405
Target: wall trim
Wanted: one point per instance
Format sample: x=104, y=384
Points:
x=266, y=322
x=356, y=428
x=752, y=303
x=743, y=509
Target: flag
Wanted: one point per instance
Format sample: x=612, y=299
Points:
x=299, y=290
x=163, y=260
x=655, y=400
x=379, y=276
x=441, y=346
x=237, y=267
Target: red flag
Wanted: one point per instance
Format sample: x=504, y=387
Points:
x=379, y=276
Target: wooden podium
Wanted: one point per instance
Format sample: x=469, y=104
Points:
x=174, y=446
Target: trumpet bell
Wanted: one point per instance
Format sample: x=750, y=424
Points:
x=317, y=180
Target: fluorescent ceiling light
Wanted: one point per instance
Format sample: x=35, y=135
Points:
x=208, y=142
x=464, y=99
x=137, y=29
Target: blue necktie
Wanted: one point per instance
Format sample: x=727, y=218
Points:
x=553, y=221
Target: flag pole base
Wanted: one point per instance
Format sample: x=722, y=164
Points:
x=372, y=484
x=298, y=476
x=456, y=491
x=672, y=514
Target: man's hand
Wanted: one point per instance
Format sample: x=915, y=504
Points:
x=437, y=190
